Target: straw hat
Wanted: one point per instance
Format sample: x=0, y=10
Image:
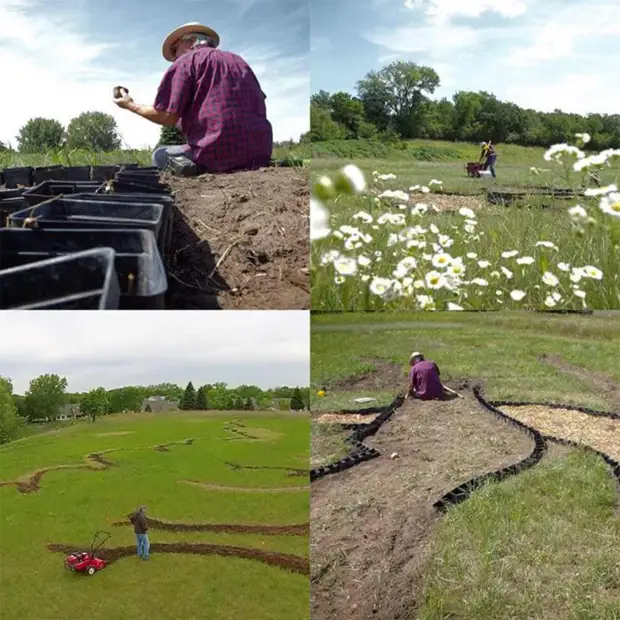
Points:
x=415, y=354
x=181, y=31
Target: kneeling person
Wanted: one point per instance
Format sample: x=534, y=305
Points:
x=424, y=381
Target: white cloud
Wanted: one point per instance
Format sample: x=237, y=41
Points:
x=442, y=11
x=122, y=348
x=51, y=69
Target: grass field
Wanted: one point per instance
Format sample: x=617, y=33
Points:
x=72, y=503
x=542, y=544
x=63, y=157
x=382, y=250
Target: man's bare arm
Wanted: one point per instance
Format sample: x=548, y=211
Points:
x=151, y=114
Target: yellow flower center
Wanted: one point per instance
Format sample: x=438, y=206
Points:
x=616, y=206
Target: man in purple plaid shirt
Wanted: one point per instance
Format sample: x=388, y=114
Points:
x=214, y=99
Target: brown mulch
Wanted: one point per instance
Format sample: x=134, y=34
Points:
x=344, y=418
x=241, y=241
x=371, y=524
x=600, y=433
x=292, y=563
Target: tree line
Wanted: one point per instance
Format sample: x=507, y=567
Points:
x=93, y=131
x=47, y=395
x=394, y=103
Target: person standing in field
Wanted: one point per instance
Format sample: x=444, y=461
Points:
x=488, y=156
x=140, y=528
x=424, y=380
x=214, y=99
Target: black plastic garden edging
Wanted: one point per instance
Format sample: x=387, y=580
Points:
x=360, y=451
x=464, y=490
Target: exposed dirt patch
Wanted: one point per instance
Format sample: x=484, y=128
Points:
x=604, y=384
x=600, y=433
x=241, y=241
x=371, y=524
x=116, y=434
x=293, y=563
x=265, y=530
x=240, y=432
x=344, y=418
x=293, y=471
x=385, y=375
x=220, y=487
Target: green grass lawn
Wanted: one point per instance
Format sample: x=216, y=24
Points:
x=341, y=282
x=542, y=544
x=72, y=504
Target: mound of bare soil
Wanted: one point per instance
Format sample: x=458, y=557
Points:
x=371, y=524
x=241, y=241
x=384, y=375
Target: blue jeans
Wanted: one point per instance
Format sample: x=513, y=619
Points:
x=142, y=542
x=161, y=153
x=490, y=164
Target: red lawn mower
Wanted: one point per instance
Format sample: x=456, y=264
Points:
x=86, y=561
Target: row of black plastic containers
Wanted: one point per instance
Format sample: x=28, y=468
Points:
x=99, y=243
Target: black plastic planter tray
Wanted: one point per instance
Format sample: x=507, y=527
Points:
x=123, y=187
x=134, y=177
x=138, y=263
x=77, y=173
x=82, y=281
x=1, y=178
x=161, y=199
x=65, y=213
x=103, y=173
x=45, y=190
x=48, y=173
x=8, y=206
x=132, y=168
x=129, y=166
x=18, y=176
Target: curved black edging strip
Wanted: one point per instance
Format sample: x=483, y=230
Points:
x=463, y=491
x=584, y=311
x=360, y=452
x=613, y=463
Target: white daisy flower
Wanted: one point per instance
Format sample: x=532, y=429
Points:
x=549, y=279
x=517, y=295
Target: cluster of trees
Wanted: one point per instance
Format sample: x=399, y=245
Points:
x=47, y=395
x=94, y=131
x=394, y=103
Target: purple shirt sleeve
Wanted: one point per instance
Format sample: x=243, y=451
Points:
x=176, y=91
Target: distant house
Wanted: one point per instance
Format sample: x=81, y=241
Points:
x=158, y=404
x=69, y=412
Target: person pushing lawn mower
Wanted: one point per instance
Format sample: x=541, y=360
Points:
x=140, y=527
x=424, y=380
x=488, y=157
x=214, y=99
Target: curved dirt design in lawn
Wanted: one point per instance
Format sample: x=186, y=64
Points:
x=95, y=461
x=285, y=561
x=385, y=374
x=220, y=487
x=301, y=529
x=293, y=471
x=371, y=524
x=240, y=432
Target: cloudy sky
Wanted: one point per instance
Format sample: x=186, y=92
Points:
x=115, y=349
x=63, y=57
x=541, y=54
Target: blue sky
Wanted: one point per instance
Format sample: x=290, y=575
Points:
x=541, y=54
x=62, y=57
x=115, y=349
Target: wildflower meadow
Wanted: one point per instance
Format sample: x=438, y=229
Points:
x=383, y=243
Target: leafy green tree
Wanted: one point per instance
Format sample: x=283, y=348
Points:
x=9, y=422
x=95, y=403
x=40, y=134
x=125, y=399
x=297, y=403
x=45, y=397
x=188, y=402
x=170, y=135
x=347, y=111
x=95, y=131
x=201, y=399
x=323, y=127
x=3, y=147
x=249, y=404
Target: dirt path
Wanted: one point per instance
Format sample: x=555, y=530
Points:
x=606, y=386
x=301, y=529
x=219, y=487
x=293, y=471
x=371, y=524
x=241, y=241
x=292, y=563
